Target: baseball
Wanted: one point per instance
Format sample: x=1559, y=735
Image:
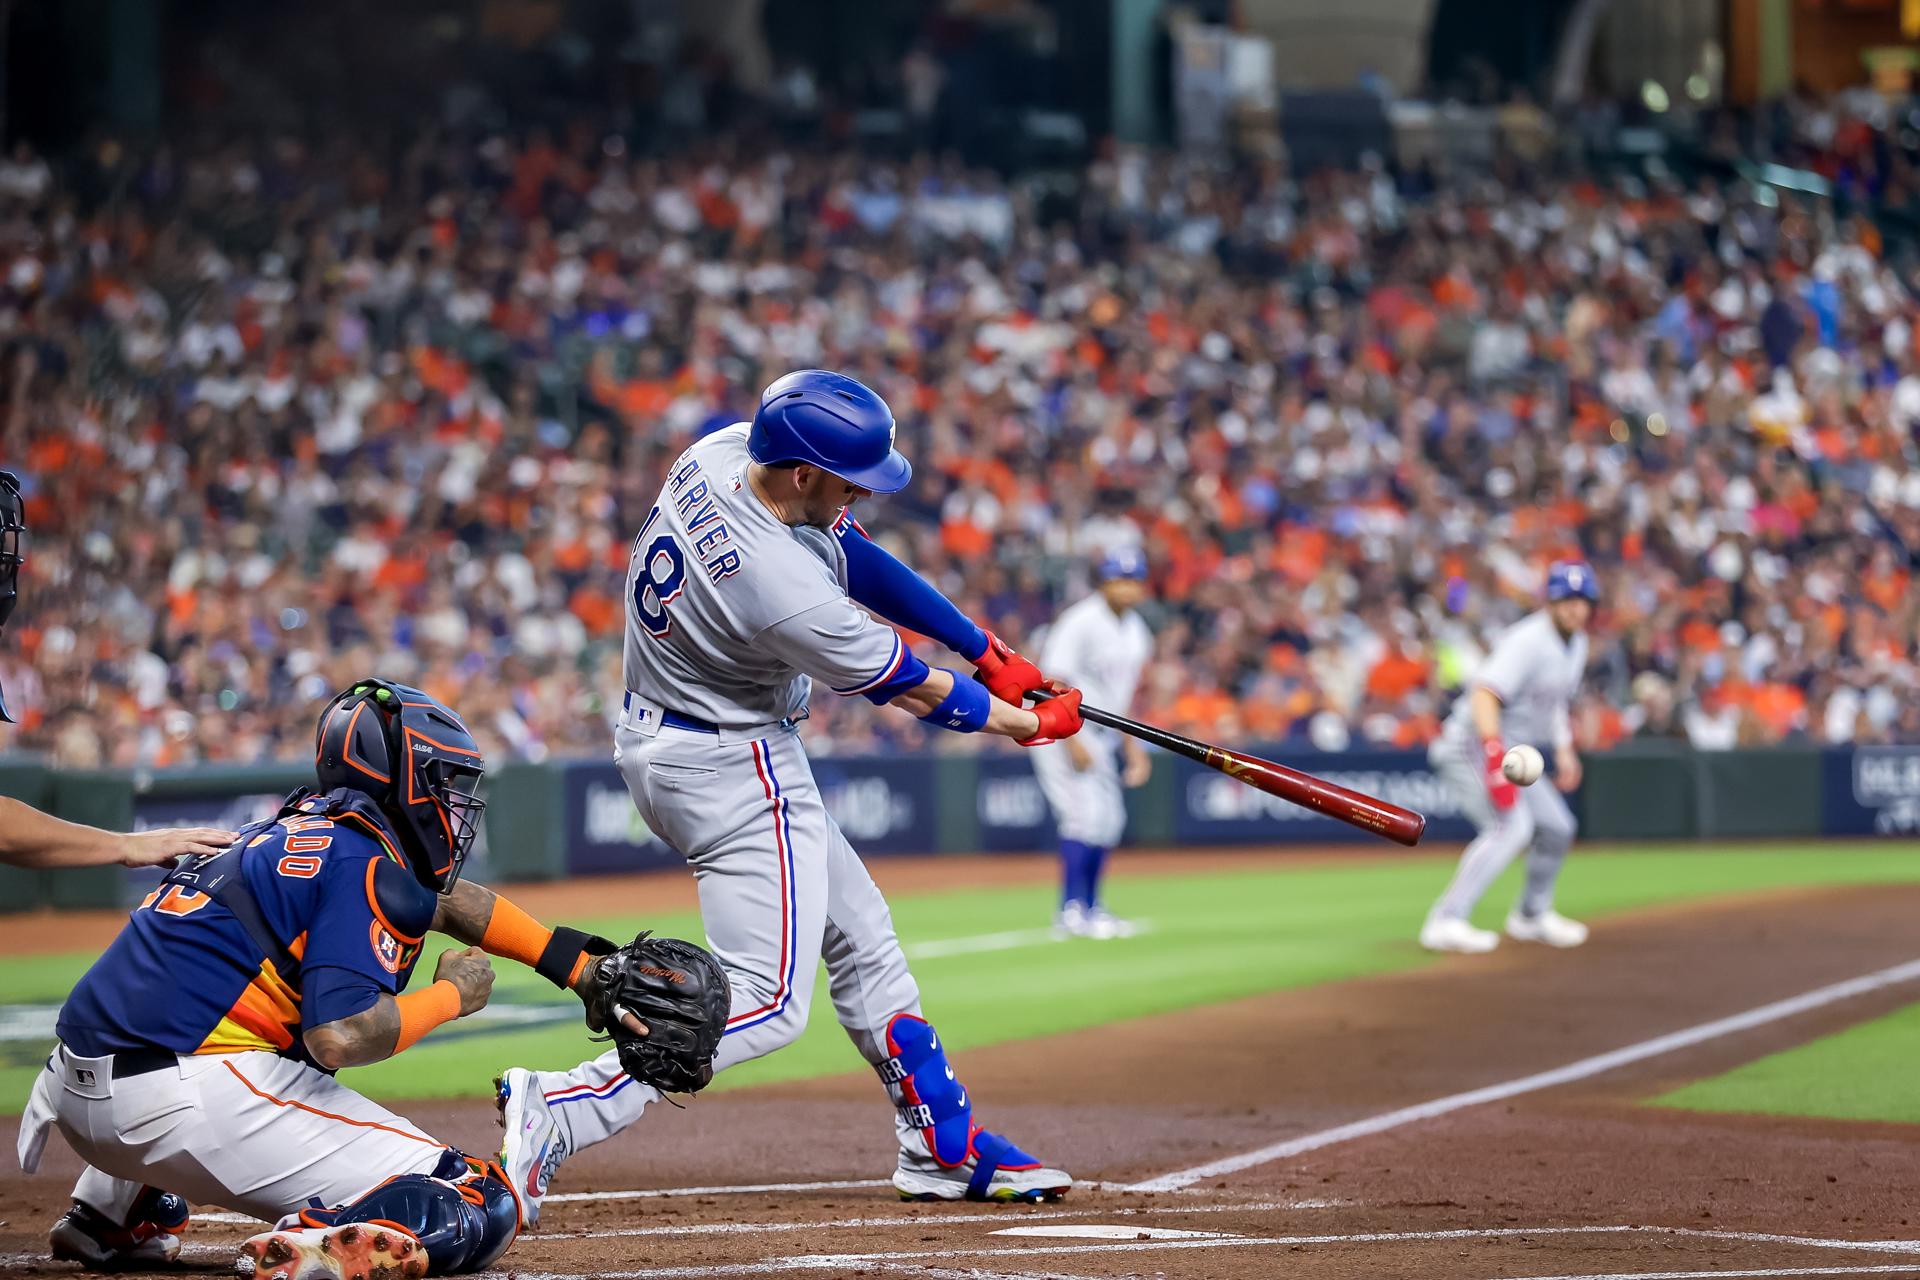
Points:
x=1522, y=765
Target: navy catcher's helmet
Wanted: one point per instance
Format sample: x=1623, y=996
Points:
x=12, y=525
x=417, y=761
x=1566, y=578
x=832, y=422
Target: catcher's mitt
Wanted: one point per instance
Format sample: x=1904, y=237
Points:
x=679, y=991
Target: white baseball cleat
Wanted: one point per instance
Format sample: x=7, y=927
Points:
x=355, y=1251
x=1449, y=933
x=1103, y=924
x=531, y=1152
x=1070, y=921
x=1550, y=927
x=995, y=1170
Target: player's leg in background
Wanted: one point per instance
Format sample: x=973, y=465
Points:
x=1500, y=838
x=1533, y=918
x=1102, y=821
x=749, y=818
x=1053, y=770
x=944, y=1155
x=1089, y=814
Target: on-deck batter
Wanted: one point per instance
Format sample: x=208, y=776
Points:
x=741, y=593
x=1519, y=693
x=1100, y=645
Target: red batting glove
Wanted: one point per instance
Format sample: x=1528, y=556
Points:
x=1008, y=676
x=1059, y=718
x=1502, y=792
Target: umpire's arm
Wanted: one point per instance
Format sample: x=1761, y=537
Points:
x=30, y=838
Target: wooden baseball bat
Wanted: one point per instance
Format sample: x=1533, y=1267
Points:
x=1402, y=826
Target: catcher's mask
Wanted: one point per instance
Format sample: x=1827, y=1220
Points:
x=13, y=525
x=415, y=758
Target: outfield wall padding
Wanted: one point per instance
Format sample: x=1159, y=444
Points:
x=573, y=817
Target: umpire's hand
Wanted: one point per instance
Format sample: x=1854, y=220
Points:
x=163, y=844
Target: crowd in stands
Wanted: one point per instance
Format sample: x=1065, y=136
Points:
x=291, y=412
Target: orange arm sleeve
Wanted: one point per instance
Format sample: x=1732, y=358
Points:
x=512, y=934
x=422, y=1011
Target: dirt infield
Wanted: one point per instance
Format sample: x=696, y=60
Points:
x=1573, y=1180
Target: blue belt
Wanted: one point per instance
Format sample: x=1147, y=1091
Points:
x=673, y=719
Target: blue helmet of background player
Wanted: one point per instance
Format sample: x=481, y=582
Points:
x=13, y=526
x=1569, y=578
x=412, y=755
x=1123, y=562
x=832, y=422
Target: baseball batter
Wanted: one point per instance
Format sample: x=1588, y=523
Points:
x=1519, y=693
x=744, y=590
x=1099, y=645
x=196, y=1055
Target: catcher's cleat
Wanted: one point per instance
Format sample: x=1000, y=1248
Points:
x=995, y=1170
x=151, y=1239
x=533, y=1148
x=356, y=1251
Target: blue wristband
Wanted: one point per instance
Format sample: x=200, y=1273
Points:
x=966, y=709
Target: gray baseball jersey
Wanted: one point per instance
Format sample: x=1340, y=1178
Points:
x=729, y=612
x=1535, y=673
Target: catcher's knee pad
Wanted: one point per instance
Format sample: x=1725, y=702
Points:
x=464, y=1213
x=923, y=1086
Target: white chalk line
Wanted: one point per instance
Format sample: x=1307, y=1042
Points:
x=922, y=1220
x=890, y=1260
x=1573, y=1071
x=241, y=1219
x=898, y=1260
x=1008, y=940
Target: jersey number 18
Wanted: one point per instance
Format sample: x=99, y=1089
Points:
x=661, y=572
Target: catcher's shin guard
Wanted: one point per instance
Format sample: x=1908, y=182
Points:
x=464, y=1214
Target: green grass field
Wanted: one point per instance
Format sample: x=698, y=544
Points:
x=1862, y=1073
x=1213, y=937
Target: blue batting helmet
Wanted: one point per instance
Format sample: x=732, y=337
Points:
x=1572, y=578
x=412, y=755
x=832, y=422
x=1123, y=562
x=12, y=525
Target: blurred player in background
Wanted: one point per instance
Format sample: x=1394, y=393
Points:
x=1099, y=646
x=29, y=838
x=1520, y=693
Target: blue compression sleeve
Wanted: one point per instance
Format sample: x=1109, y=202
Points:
x=898, y=594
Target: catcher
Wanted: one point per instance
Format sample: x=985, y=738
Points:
x=196, y=1056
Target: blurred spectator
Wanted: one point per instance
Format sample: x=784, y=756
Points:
x=291, y=411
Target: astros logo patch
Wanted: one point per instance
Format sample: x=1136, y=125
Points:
x=386, y=948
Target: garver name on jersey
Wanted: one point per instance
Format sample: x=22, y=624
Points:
x=694, y=499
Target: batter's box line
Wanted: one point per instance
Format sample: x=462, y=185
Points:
x=890, y=1260
x=770, y=1188
x=927, y=1219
